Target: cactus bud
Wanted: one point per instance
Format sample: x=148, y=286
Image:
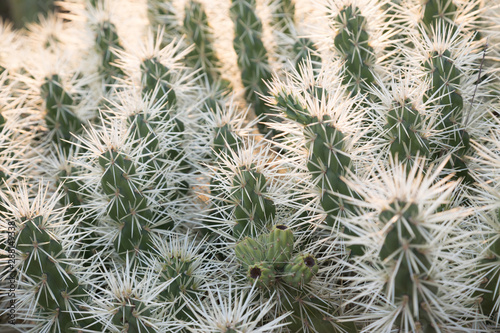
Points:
x=301, y=270
x=263, y=273
x=279, y=246
x=249, y=251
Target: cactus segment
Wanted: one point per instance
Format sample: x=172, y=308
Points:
x=285, y=15
x=262, y=273
x=437, y=12
x=181, y=271
x=353, y=43
x=328, y=161
x=250, y=251
x=60, y=117
x=404, y=125
x=198, y=31
x=44, y=262
x=127, y=206
x=252, y=55
x=107, y=39
x=225, y=140
x=154, y=74
x=130, y=317
x=300, y=270
x=446, y=79
x=405, y=236
x=253, y=210
x=162, y=14
x=304, y=48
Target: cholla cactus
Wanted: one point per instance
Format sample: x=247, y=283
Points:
x=251, y=166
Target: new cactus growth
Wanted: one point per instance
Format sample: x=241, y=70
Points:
x=300, y=270
x=279, y=245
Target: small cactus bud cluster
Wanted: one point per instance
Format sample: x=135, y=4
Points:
x=269, y=259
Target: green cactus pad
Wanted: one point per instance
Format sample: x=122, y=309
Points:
x=253, y=210
x=353, y=43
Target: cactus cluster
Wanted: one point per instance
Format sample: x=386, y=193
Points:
x=238, y=166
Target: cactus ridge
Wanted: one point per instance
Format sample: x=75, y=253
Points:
x=405, y=242
x=446, y=79
x=107, y=40
x=404, y=124
x=131, y=317
x=198, y=31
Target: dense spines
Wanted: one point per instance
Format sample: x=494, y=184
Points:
x=425, y=263
x=328, y=159
x=129, y=301
x=157, y=81
x=107, y=41
x=446, y=79
x=252, y=55
x=437, y=12
x=486, y=157
x=253, y=211
x=44, y=263
x=128, y=206
x=417, y=281
x=157, y=86
x=272, y=263
x=184, y=266
x=163, y=14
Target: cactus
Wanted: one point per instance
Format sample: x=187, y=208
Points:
x=140, y=193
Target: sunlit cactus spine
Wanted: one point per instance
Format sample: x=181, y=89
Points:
x=417, y=281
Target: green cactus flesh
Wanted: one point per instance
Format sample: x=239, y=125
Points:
x=44, y=262
x=406, y=235
x=106, y=40
x=132, y=316
x=252, y=55
x=128, y=206
x=203, y=54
